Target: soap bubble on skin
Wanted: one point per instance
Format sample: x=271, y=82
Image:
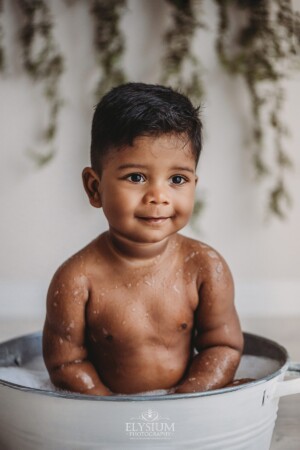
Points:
x=156, y=259
x=87, y=380
x=192, y=255
x=226, y=329
x=219, y=270
x=219, y=267
x=203, y=245
x=176, y=289
x=212, y=254
x=71, y=325
x=179, y=271
x=188, y=277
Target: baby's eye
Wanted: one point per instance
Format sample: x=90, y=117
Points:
x=136, y=178
x=178, y=179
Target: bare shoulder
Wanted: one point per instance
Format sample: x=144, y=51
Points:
x=71, y=279
x=68, y=294
x=78, y=265
x=71, y=273
x=208, y=262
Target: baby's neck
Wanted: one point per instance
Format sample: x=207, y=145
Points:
x=136, y=251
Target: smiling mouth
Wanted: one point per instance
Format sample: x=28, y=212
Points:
x=154, y=220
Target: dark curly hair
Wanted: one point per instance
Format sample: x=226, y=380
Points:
x=138, y=109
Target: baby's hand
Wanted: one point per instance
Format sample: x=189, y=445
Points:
x=186, y=388
x=171, y=391
x=103, y=392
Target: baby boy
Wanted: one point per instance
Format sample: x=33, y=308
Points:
x=126, y=313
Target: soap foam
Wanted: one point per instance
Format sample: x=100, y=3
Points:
x=34, y=374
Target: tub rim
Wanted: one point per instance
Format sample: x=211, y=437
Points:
x=153, y=397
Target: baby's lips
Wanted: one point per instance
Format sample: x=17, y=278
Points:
x=154, y=220
x=154, y=217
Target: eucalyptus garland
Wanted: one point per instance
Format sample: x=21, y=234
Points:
x=109, y=42
x=256, y=39
x=2, y=63
x=266, y=39
x=182, y=70
x=43, y=63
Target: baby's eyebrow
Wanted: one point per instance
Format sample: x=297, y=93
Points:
x=183, y=168
x=142, y=166
x=131, y=166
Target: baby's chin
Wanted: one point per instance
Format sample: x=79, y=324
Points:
x=140, y=236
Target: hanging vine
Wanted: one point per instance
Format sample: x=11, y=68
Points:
x=266, y=39
x=2, y=59
x=109, y=42
x=43, y=62
x=182, y=69
x=256, y=39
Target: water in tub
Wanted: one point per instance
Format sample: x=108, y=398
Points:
x=34, y=375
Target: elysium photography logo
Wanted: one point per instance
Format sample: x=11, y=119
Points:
x=150, y=425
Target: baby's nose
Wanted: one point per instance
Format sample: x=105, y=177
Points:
x=156, y=195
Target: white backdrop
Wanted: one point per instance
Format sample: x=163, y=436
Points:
x=45, y=216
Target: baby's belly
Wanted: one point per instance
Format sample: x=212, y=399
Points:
x=145, y=369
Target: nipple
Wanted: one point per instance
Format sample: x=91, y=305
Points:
x=183, y=326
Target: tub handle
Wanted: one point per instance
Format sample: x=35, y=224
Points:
x=289, y=387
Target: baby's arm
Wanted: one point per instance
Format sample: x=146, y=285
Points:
x=219, y=339
x=64, y=348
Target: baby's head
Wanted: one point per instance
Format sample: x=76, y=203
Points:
x=146, y=142
x=136, y=109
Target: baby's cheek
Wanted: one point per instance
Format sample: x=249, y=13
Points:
x=185, y=207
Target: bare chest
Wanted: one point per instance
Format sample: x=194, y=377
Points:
x=149, y=307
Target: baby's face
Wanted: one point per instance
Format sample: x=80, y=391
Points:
x=147, y=190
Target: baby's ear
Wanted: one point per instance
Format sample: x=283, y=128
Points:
x=91, y=183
